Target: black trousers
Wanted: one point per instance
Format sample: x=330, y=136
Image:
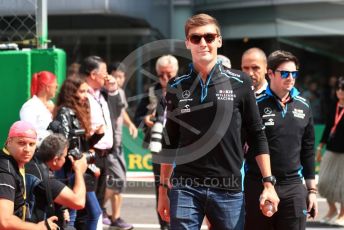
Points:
x=101, y=163
x=292, y=209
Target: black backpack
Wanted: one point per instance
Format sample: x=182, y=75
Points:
x=33, y=179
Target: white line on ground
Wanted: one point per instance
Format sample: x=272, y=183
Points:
x=139, y=196
x=156, y=226
x=150, y=226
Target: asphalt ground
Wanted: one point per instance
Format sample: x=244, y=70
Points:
x=139, y=208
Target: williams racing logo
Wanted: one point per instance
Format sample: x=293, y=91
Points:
x=299, y=113
x=225, y=95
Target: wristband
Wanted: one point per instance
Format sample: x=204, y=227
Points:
x=164, y=185
x=319, y=148
x=312, y=190
x=47, y=224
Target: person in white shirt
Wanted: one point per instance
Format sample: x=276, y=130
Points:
x=94, y=70
x=38, y=109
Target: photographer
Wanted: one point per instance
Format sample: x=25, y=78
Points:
x=43, y=191
x=72, y=119
x=150, y=114
x=18, y=150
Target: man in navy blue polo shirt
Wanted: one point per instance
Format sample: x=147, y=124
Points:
x=206, y=110
x=289, y=129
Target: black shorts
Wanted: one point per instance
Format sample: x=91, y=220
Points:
x=292, y=209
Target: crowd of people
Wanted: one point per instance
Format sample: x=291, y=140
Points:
x=63, y=162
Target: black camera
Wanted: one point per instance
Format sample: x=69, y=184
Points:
x=74, y=141
x=74, y=146
x=76, y=154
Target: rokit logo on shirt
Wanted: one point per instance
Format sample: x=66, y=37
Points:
x=269, y=122
x=186, y=109
x=225, y=95
x=299, y=113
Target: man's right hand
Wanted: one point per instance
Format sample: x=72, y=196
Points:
x=164, y=204
x=79, y=165
x=50, y=221
x=148, y=120
x=269, y=195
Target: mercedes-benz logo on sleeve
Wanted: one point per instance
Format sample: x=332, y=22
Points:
x=186, y=94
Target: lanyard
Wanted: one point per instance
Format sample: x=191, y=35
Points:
x=100, y=104
x=337, y=118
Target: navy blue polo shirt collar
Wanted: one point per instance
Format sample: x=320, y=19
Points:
x=293, y=92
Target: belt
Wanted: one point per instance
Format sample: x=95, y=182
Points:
x=102, y=152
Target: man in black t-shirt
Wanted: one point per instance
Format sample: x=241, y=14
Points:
x=205, y=111
x=42, y=190
x=19, y=149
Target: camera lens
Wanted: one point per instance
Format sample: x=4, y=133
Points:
x=90, y=157
x=155, y=145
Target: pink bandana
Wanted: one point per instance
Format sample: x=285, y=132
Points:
x=22, y=129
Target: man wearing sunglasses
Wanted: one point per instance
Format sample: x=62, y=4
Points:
x=207, y=107
x=289, y=128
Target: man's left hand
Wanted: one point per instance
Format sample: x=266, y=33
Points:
x=312, y=204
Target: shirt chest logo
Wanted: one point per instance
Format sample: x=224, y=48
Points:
x=269, y=122
x=268, y=112
x=186, y=109
x=225, y=95
x=186, y=96
x=299, y=113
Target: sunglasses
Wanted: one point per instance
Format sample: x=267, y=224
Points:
x=340, y=88
x=285, y=74
x=161, y=75
x=196, y=38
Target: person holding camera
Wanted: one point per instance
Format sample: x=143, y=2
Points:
x=18, y=151
x=150, y=112
x=73, y=120
x=43, y=191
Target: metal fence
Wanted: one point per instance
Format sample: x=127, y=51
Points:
x=18, y=22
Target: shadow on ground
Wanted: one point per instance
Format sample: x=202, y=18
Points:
x=316, y=224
